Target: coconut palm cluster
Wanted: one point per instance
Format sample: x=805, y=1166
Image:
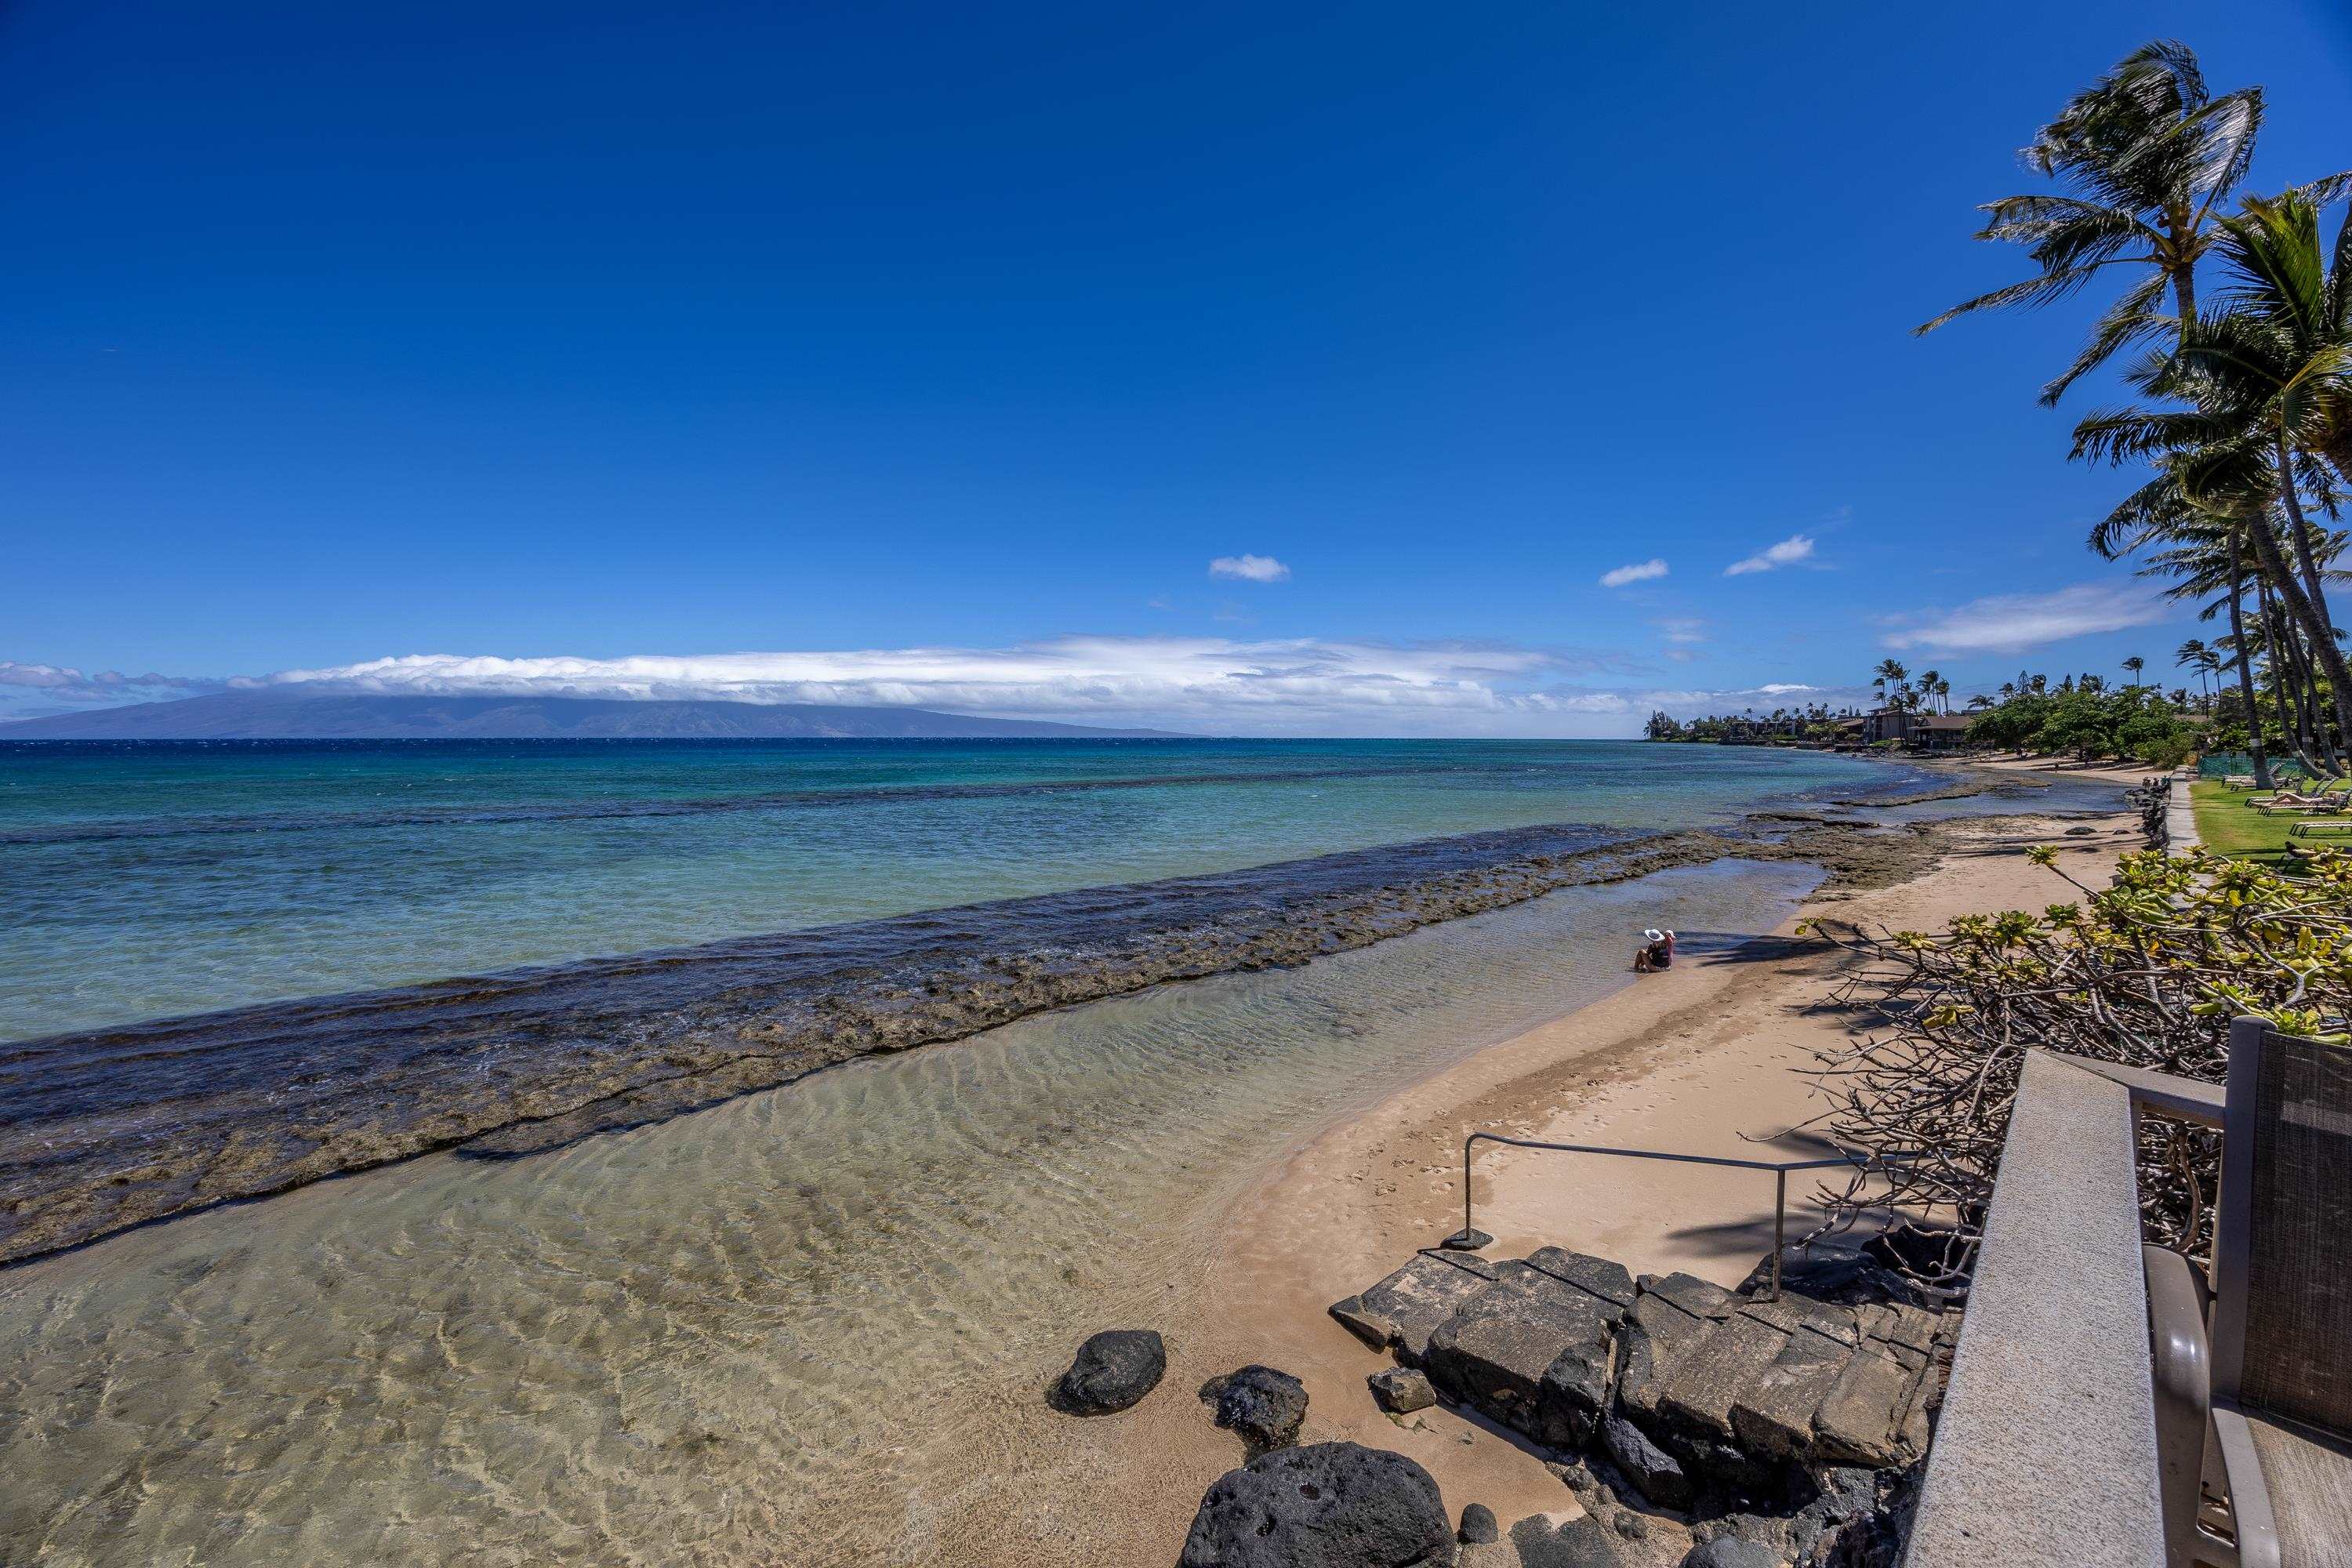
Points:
x=2235, y=330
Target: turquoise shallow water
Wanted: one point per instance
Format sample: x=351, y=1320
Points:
x=807, y=1324
x=144, y=880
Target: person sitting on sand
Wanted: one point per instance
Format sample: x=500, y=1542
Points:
x=1657, y=952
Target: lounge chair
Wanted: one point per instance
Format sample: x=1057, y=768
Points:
x=2254, y=1376
x=2269, y=805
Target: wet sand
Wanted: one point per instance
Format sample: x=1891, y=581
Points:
x=1700, y=1059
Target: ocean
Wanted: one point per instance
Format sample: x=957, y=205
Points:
x=707, y=1302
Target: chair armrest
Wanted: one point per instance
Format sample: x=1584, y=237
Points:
x=2185, y=1099
x=2178, y=1299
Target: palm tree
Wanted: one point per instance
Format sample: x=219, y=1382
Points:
x=2278, y=357
x=1943, y=694
x=1888, y=674
x=2132, y=667
x=2142, y=156
x=2206, y=547
x=2233, y=453
x=1927, y=678
x=2194, y=654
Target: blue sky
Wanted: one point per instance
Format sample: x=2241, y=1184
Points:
x=515, y=332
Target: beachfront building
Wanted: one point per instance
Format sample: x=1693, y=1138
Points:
x=1906, y=728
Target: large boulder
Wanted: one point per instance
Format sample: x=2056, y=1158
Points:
x=1328, y=1505
x=1111, y=1371
x=1263, y=1405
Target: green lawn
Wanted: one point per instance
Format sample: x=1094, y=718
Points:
x=2230, y=826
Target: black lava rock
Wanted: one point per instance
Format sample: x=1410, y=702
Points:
x=1401, y=1389
x=1329, y=1505
x=1113, y=1370
x=1263, y=1405
x=1731, y=1551
x=1478, y=1526
x=1655, y=1473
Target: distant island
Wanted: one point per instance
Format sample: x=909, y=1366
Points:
x=283, y=715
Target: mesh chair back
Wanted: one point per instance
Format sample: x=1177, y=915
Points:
x=2296, y=1305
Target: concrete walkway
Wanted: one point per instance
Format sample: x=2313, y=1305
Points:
x=2179, y=819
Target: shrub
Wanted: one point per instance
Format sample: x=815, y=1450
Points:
x=2147, y=972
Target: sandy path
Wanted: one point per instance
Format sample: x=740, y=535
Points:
x=1699, y=1059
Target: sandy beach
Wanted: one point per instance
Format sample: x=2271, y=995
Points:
x=1703, y=1059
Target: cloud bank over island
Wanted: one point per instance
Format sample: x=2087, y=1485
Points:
x=1201, y=685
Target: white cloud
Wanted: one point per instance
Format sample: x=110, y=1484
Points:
x=1294, y=685
x=2009, y=623
x=1782, y=688
x=1681, y=629
x=1795, y=548
x=106, y=685
x=1639, y=572
x=1249, y=568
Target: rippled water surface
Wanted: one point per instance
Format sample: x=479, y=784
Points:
x=808, y=1324
x=140, y=880
x=811, y=1325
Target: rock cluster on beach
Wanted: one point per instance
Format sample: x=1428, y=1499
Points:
x=1696, y=1425
x=1695, y=1387
x=1773, y=1431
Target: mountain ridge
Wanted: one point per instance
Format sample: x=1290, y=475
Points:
x=281, y=715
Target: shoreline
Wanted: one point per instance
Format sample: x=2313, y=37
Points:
x=821, y=1322
x=1696, y=1060
x=525, y=1063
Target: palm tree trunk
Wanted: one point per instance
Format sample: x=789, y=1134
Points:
x=2290, y=718
x=2245, y=667
x=2306, y=701
x=2275, y=571
x=2322, y=629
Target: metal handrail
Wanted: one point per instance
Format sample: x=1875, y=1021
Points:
x=1470, y=1238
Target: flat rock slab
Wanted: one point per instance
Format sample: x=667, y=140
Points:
x=1367, y=1326
x=1652, y=1339
x=1496, y=1351
x=1419, y=1297
x=1699, y=1385
x=1867, y=1417
x=1599, y=1276
x=1772, y=1413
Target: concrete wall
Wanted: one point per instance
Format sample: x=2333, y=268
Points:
x=2046, y=1450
